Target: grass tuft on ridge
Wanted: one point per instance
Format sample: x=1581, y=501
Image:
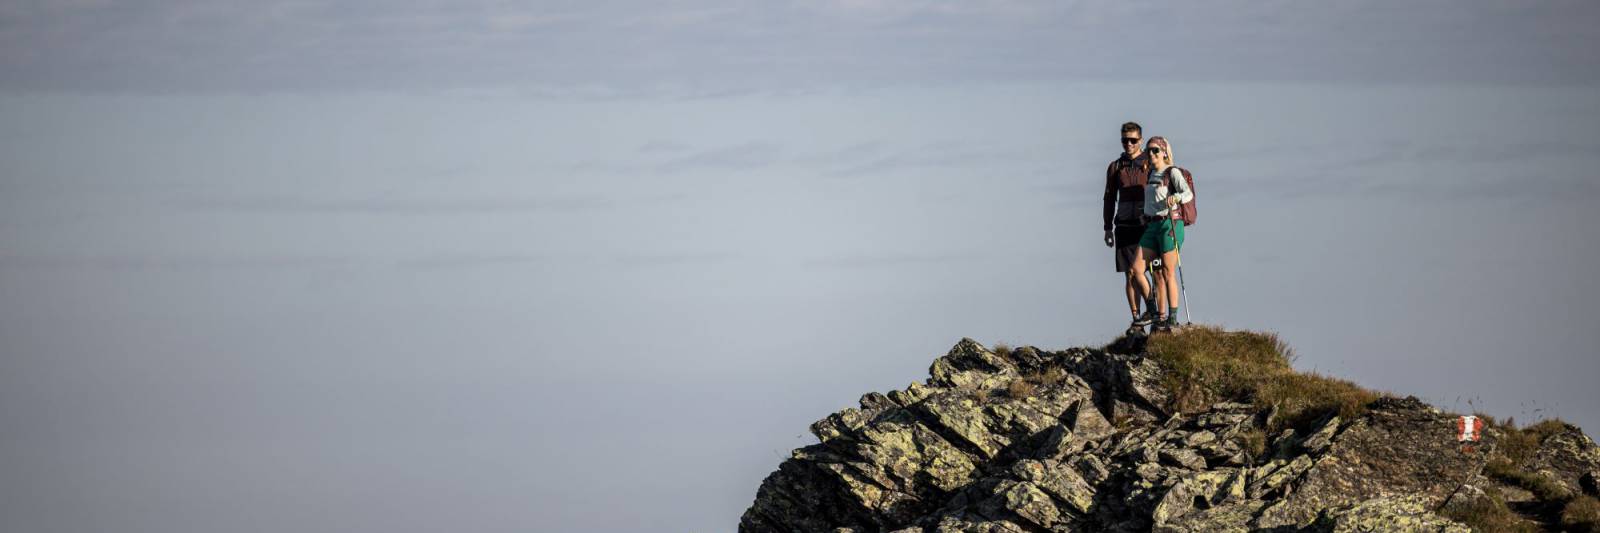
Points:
x=1206, y=365
x=1490, y=514
x=1509, y=464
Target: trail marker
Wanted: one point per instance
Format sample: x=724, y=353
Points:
x=1469, y=429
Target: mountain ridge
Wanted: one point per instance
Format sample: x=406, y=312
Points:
x=1201, y=430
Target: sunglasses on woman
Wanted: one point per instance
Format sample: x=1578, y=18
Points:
x=1155, y=150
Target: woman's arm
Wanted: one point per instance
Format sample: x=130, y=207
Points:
x=1182, y=185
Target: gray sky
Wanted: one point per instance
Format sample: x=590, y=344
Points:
x=595, y=266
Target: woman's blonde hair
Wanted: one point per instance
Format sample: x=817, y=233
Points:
x=1162, y=142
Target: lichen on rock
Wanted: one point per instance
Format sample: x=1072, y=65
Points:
x=1107, y=439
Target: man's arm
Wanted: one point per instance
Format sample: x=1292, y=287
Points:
x=1110, y=208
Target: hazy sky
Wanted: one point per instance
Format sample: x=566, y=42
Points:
x=595, y=266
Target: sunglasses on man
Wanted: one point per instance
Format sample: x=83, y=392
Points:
x=1130, y=140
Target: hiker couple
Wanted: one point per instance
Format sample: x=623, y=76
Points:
x=1147, y=201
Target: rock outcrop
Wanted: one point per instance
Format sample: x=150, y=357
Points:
x=1025, y=440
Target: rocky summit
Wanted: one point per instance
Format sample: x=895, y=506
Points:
x=1200, y=430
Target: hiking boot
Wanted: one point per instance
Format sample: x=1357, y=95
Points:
x=1166, y=325
x=1149, y=317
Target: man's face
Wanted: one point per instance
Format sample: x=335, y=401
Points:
x=1130, y=142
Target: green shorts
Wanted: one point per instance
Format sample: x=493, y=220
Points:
x=1163, y=235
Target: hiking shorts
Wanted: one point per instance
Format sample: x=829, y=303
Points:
x=1126, y=242
x=1163, y=235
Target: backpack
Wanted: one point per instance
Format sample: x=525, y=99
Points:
x=1186, y=210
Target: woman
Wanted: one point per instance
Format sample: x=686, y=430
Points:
x=1164, y=190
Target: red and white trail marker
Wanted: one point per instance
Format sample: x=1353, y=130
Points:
x=1469, y=428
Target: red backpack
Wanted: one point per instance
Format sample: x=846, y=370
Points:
x=1186, y=210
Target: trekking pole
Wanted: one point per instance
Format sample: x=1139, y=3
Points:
x=1187, y=317
x=1155, y=295
x=1177, y=246
x=1183, y=291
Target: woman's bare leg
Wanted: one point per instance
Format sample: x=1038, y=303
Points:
x=1160, y=275
x=1170, y=261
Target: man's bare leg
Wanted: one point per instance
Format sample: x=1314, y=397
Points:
x=1148, y=290
x=1133, y=291
x=1137, y=271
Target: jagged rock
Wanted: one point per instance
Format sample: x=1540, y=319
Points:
x=1201, y=490
x=1144, y=455
x=1151, y=472
x=790, y=500
x=1320, y=439
x=1567, y=456
x=1271, y=477
x=1029, y=359
x=1468, y=495
x=1398, y=514
x=1033, y=505
x=962, y=418
x=1227, y=519
x=1225, y=417
x=1095, y=449
x=1283, y=444
x=873, y=400
x=1091, y=468
x=1087, y=422
x=870, y=493
x=1060, y=442
x=963, y=524
x=1402, y=446
x=1183, y=457
x=1199, y=438
x=1062, y=482
x=914, y=393
x=967, y=364
x=1143, y=380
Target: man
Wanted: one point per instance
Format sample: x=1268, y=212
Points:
x=1124, y=214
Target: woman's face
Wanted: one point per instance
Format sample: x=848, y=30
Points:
x=1158, y=153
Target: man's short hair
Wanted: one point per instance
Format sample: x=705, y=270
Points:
x=1132, y=127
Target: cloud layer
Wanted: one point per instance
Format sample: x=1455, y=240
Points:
x=715, y=46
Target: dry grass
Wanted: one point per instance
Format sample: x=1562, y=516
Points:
x=1515, y=448
x=1582, y=514
x=1490, y=515
x=1207, y=365
x=1026, y=386
x=1051, y=376
x=1544, y=488
x=1001, y=349
x=1020, y=388
x=1519, y=444
x=1252, y=440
